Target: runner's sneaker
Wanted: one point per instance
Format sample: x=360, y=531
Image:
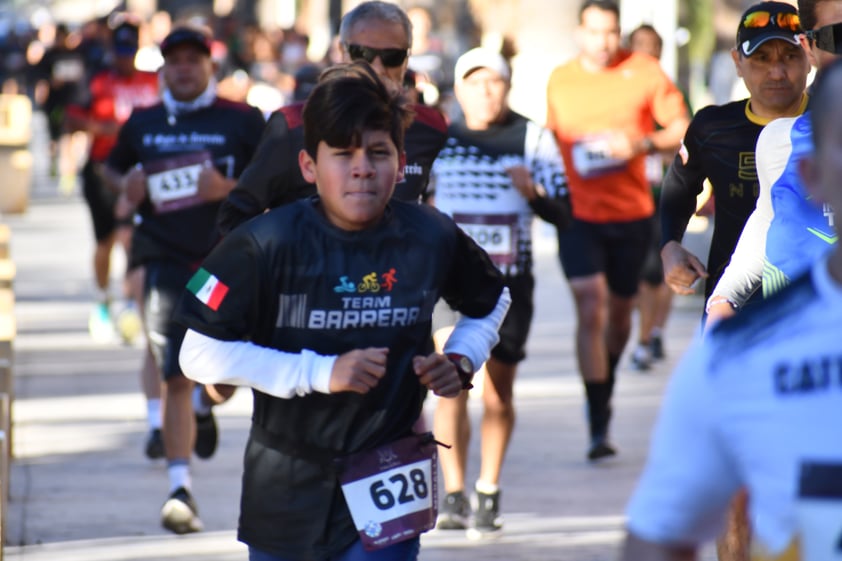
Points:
x=487, y=519
x=207, y=436
x=100, y=325
x=154, y=445
x=179, y=514
x=641, y=358
x=600, y=448
x=656, y=346
x=129, y=324
x=454, y=513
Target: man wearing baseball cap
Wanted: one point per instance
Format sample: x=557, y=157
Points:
x=186, y=36
x=774, y=68
x=495, y=173
x=173, y=163
x=766, y=21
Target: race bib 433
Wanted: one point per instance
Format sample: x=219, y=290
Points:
x=174, y=182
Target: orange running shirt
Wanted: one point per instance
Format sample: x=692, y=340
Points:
x=629, y=96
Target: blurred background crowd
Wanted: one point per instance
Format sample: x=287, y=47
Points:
x=266, y=49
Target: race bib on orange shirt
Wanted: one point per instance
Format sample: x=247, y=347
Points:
x=592, y=157
x=173, y=182
x=391, y=491
x=495, y=233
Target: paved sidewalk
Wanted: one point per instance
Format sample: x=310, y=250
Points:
x=82, y=490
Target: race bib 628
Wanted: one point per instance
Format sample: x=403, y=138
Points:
x=391, y=491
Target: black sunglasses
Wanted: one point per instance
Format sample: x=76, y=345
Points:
x=826, y=38
x=389, y=57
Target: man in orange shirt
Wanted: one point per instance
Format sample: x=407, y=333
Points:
x=602, y=107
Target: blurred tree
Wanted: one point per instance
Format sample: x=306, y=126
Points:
x=700, y=14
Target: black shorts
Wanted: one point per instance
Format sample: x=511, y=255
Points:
x=617, y=249
x=101, y=200
x=164, y=284
x=514, y=332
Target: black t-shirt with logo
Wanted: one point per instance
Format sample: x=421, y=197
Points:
x=174, y=223
x=719, y=146
x=295, y=282
x=273, y=178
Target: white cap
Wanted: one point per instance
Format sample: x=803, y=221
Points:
x=481, y=58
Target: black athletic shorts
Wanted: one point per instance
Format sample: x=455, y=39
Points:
x=101, y=200
x=617, y=249
x=514, y=332
x=164, y=283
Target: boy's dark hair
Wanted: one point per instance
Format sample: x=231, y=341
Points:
x=349, y=100
x=605, y=5
x=823, y=100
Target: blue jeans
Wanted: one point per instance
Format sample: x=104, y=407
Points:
x=403, y=551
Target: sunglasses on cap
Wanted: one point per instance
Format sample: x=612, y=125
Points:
x=389, y=57
x=825, y=38
x=783, y=20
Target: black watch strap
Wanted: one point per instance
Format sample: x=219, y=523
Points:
x=463, y=368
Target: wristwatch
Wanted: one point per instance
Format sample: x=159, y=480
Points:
x=464, y=368
x=648, y=145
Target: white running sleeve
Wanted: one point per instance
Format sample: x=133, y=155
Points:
x=475, y=337
x=744, y=273
x=241, y=363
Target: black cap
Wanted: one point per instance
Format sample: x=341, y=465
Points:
x=766, y=21
x=125, y=39
x=186, y=36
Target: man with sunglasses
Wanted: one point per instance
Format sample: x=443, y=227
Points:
x=379, y=33
x=720, y=146
x=720, y=141
x=786, y=232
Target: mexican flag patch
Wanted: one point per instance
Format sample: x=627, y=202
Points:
x=207, y=289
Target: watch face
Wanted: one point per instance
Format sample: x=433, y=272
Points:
x=465, y=364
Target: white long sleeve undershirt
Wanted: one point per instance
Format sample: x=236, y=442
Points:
x=242, y=363
x=743, y=275
x=282, y=374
